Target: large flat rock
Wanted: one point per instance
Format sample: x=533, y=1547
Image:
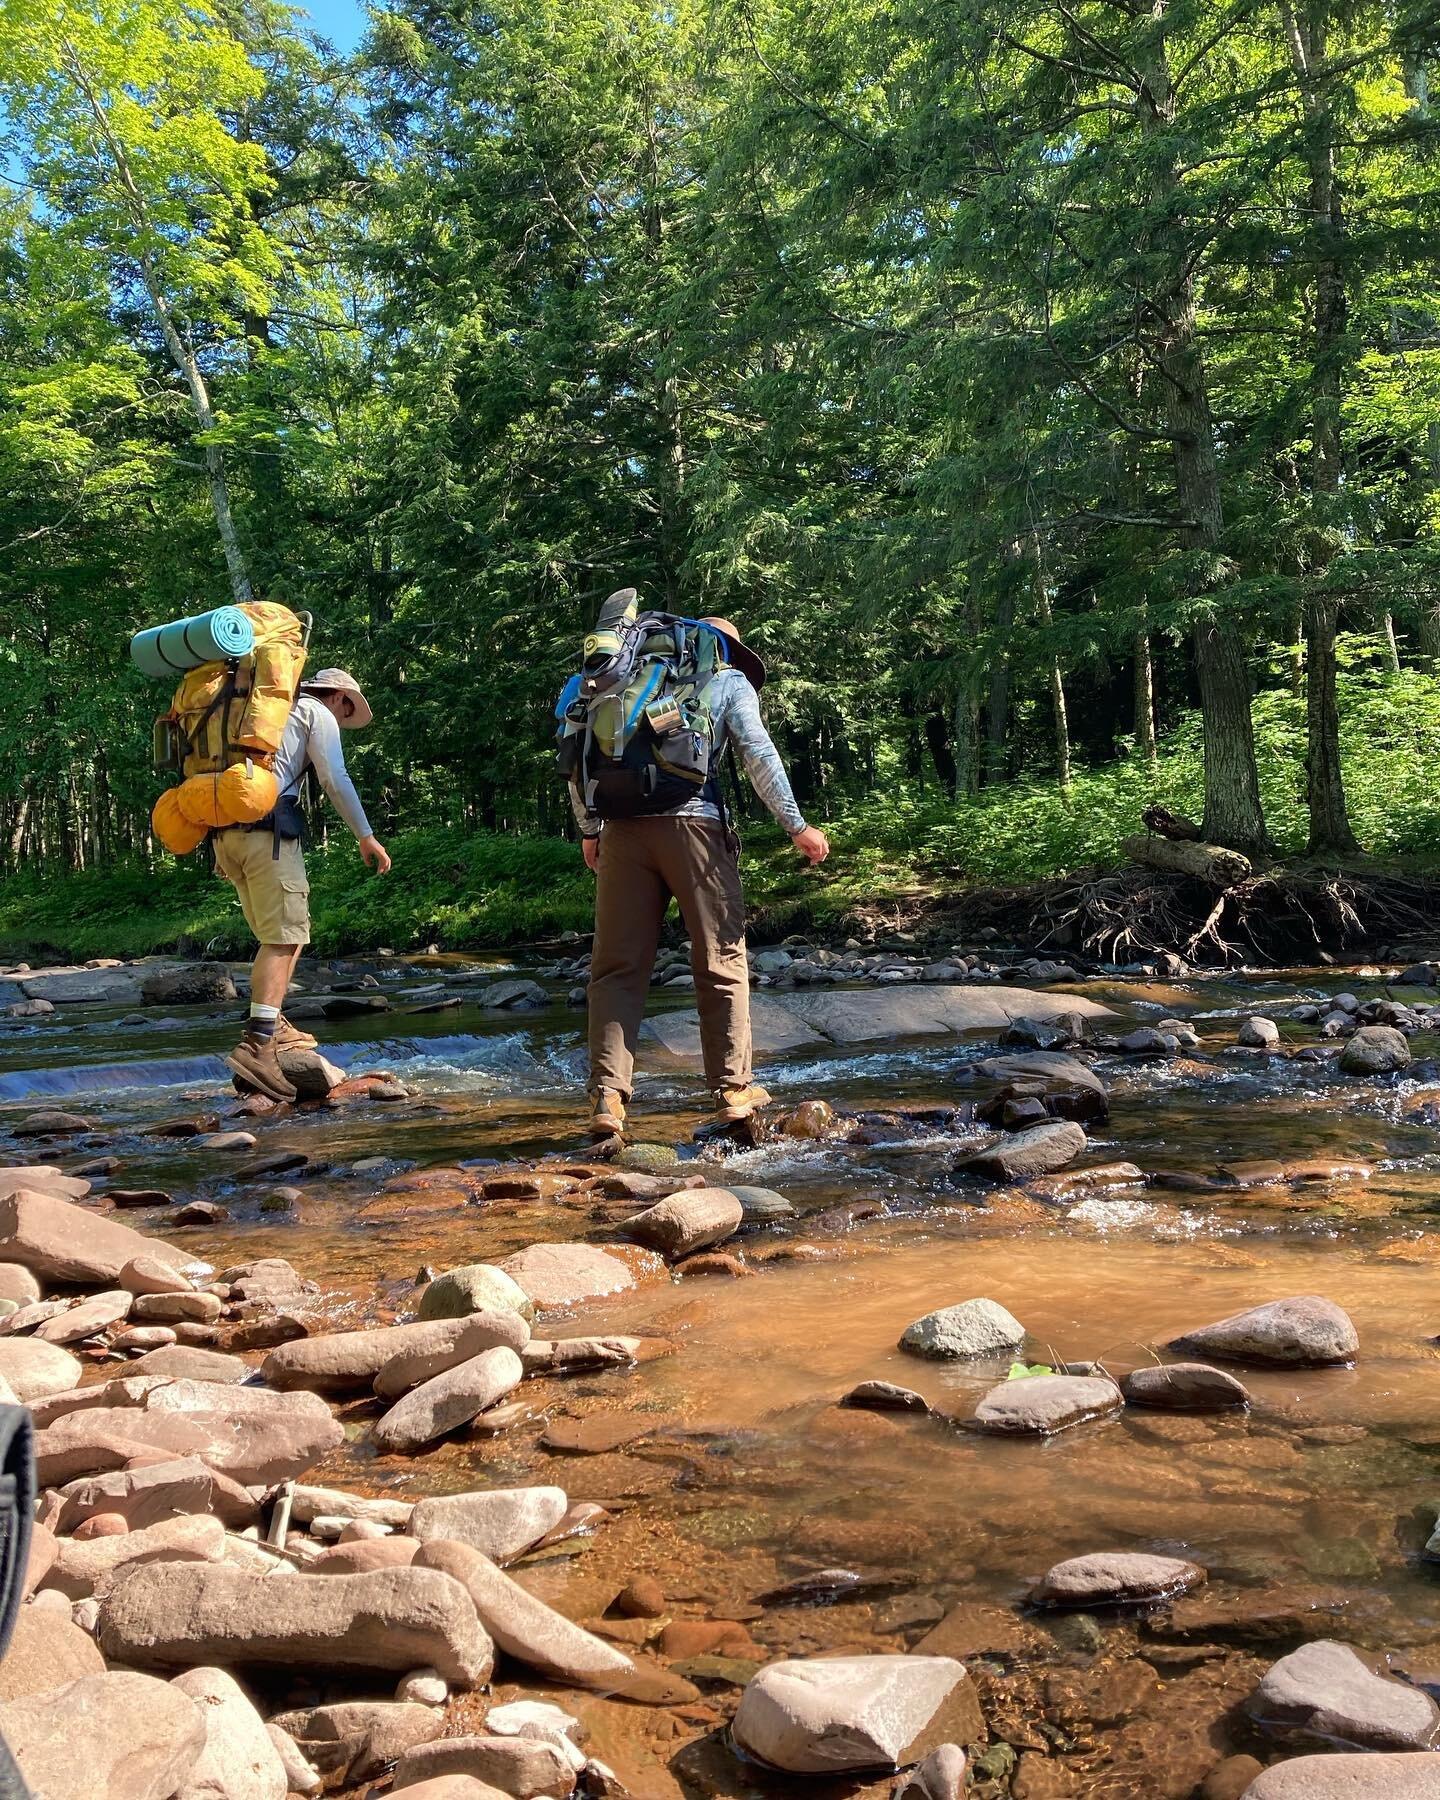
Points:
x=810, y=1020
x=82, y=987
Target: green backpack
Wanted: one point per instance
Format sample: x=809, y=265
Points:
x=635, y=732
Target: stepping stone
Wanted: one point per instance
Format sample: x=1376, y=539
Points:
x=1413, y=1775
x=1303, y=1330
x=1184, y=1387
x=972, y=1328
x=1116, y=1578
x=1324, y=1690
x=1041, y=1405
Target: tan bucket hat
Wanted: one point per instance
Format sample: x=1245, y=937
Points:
x=341, y=681
x=739, y=655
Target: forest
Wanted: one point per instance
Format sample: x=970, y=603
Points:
x=1051, y=391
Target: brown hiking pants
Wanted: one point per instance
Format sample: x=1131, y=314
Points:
x=642, y=863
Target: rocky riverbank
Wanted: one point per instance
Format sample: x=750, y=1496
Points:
x=857, y=1456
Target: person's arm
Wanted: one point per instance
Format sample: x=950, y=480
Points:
x=761, y=762
x=326, y=756
x=587, y=825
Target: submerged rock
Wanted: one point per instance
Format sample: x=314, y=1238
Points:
x=558, y=1275
x=1413, y=1775
x=1302, y=1330
x=831, y=1715
x=971, y=1328
x=1040, y=1405
x=1039, y=1151
x=1116, y=1578
x=1184, y=1387
x=1324, y=1690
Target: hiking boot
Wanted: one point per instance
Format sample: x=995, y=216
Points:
x=734, y=1105
x=607, y=1115
x=254, y=1063
x=291, y=1037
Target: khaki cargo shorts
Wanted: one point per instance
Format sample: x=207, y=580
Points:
x=274, y=892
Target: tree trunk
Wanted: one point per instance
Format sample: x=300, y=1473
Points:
x=937, y=737
x=1144, y=697
x=967, y=720
x=1329, y=817
x=1233, y=812
x=1202, y=862
x=1059, y=711
x=997, y=701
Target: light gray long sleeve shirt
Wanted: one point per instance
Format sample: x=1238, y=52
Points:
x=312, y=739
x=735, y=713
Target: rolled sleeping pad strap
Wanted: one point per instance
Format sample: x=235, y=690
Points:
x=165, y=651
x=17, y=1508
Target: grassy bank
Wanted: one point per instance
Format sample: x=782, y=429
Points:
x=892, y=851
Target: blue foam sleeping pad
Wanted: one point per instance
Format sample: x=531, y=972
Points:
x=170, y=650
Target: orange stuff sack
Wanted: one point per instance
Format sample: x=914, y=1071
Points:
x=177, y=833
x=238, y=795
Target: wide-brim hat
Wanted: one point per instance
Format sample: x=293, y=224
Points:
x=341, y=681
x=739, y=654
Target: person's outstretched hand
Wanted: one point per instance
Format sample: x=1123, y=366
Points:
x=375, y=855
x=592, y=853
x=812, y=844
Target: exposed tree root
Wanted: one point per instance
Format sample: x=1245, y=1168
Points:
x=1279, y=916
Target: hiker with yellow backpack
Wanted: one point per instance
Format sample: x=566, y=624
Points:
x=243, y=730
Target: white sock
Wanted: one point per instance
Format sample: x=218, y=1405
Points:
x=262, y=1019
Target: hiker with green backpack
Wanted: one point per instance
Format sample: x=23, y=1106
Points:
x=643, y=730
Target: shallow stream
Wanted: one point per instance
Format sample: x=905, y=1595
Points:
x=1316, y=1504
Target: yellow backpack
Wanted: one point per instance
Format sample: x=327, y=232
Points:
x=223, y=730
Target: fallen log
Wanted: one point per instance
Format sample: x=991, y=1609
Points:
x=1202, y=862
x=1167, y=824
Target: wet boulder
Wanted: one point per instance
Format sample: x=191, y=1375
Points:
x=119, y=1736
x=447, y=1401
x=1184, y=1387
x=1375, y=1050
x=474, y=1288
x=691, y=1220
x=1041, y=1405
x=522, y=1626
x=761, y=1206
x=1116, y=1578
x=514, y=996
x=195, y=984
x=62, y=1242
x=1324, y=1690
x=834, y=1715
x=1038, y=1151
x=1259, y=1034
x=1068, y=1088
x=239, y=1760
x=501, y=1523
x=972, y=1328
x=1400, y=1775
x=184, y=1614
x=1304, y=1330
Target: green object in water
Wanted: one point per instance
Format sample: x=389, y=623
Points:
x=1022, y=1372
x=648, y=1159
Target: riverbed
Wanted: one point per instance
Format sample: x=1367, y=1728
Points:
x=1266, y=1175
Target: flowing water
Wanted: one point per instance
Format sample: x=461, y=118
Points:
x=746, y=1474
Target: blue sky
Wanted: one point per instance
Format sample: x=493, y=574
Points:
x=342, y=21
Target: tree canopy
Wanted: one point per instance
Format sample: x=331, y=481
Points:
x=1042, y=387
